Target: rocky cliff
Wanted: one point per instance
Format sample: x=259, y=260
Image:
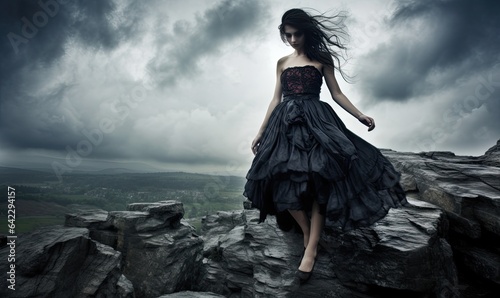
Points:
x=467, y=189
x=450, y=235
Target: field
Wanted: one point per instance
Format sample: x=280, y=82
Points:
x=40, y=200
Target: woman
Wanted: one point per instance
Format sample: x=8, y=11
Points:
x=306, y=160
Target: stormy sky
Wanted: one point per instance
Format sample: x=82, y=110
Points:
x=184, y=85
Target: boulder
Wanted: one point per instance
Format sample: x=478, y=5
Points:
x=492, y=156
x=405, y=251
x=96, y=221
x=59, y=261
x=161, y=252
x=125, y=289
x=467, y=188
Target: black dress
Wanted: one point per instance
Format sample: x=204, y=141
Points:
x=306, y=153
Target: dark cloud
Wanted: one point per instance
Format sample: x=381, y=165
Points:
x=36, y=32
x=179, y=53
x=445, y=56
x=34, y=36
x=437, y=44
x=40, y=109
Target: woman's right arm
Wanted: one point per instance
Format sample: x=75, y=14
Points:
x=274, y=102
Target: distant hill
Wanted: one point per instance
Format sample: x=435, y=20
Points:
x=121, y=179
x=45, y=164
x=10, y=170
x=115, y=171
x=9, y=175
x=42, y=199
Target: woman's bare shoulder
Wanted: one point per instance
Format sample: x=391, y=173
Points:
x=282, y=61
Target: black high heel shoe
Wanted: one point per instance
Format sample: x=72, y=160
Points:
x=303, y=275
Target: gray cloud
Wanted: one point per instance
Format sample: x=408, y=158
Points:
x=35, y=35
x=436, y=43
x=445, y=56
x=179, y=53
x=47, y=105
x=206, y=70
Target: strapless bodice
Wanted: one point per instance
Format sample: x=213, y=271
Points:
x=301, y=80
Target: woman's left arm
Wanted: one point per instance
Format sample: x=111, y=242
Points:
x=342, y=100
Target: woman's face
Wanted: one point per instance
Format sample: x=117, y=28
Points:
x=294, y=37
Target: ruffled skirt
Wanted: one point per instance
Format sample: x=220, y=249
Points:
x=306, y=153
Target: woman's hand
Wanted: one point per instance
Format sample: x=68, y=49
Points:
x=368, y=121
x=256, y=143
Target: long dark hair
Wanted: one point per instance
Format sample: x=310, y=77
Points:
x=321, y=34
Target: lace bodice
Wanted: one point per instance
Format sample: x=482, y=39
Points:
x=305, y=79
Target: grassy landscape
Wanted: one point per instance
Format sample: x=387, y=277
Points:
x=42, y=200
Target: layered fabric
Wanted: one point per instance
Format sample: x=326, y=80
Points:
x=306, y=153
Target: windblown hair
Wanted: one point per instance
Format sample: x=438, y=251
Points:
x=321, y=33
